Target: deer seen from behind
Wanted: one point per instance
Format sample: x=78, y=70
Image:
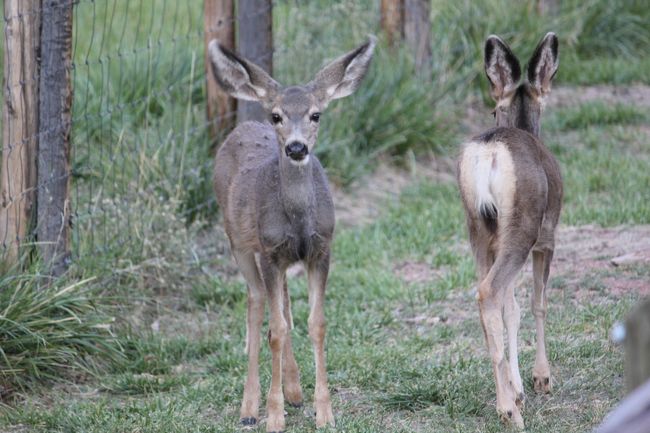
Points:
x=278, y=210
x=511, y=188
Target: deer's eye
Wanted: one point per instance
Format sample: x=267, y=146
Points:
x=315, y=117
x=276, y=118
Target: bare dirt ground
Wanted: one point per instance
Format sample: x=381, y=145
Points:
x=581, y=252
x=591, y=263
x=586, y=250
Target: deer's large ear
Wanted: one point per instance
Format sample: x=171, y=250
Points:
x=238, y=77
x=343, y=76
x=501, y=67
x=544, y=63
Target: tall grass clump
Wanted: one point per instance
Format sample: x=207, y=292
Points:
x=617, y=28
x=606, y=42
x=591, y=29
x=49, y=331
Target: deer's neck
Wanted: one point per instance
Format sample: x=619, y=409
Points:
x=296, y=188
x=528, y=125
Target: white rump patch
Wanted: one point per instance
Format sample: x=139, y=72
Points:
x=484, y=174
x=488, y=178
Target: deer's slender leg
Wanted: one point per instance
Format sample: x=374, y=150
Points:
x=256, y=297
x=274, y=278
x=291, y=373
x=541, y=370
x=482, y=245
x=492, y=292
x=317, y=280
x=512, y=316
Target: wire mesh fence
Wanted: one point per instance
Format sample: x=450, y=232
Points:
x=139, y=140
x=139, y=149
x=140, y=143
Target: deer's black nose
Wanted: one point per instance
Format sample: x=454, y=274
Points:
x=296, y=150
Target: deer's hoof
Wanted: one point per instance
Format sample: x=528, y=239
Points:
x=520, y=401
x=542, y=384
x=249, y=420
x=296, y=405
x=512, y=418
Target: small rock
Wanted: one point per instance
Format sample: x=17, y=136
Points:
x=632, y=258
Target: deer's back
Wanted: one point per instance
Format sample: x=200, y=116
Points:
x=512, y=170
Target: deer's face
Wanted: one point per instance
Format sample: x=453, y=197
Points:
x=295, y=115
x=293, y=111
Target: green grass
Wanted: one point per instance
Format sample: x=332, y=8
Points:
x=383, y=370
x=600, y=42
x=604, y=70
x=604, y=166
x=387, y=370
x=596, y=113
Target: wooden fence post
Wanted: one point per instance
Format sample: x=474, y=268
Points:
x=409, y=21
x=219, y=23
x=255, y=31
x=637, y=346
x=392, y=21
x=548, y=7
x=417, y=33
x=55, y=107
x=632, y=414
x=19, y=125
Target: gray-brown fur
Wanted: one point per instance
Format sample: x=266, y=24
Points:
x=278, y=210
x=511, y=188
x=281, y=210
